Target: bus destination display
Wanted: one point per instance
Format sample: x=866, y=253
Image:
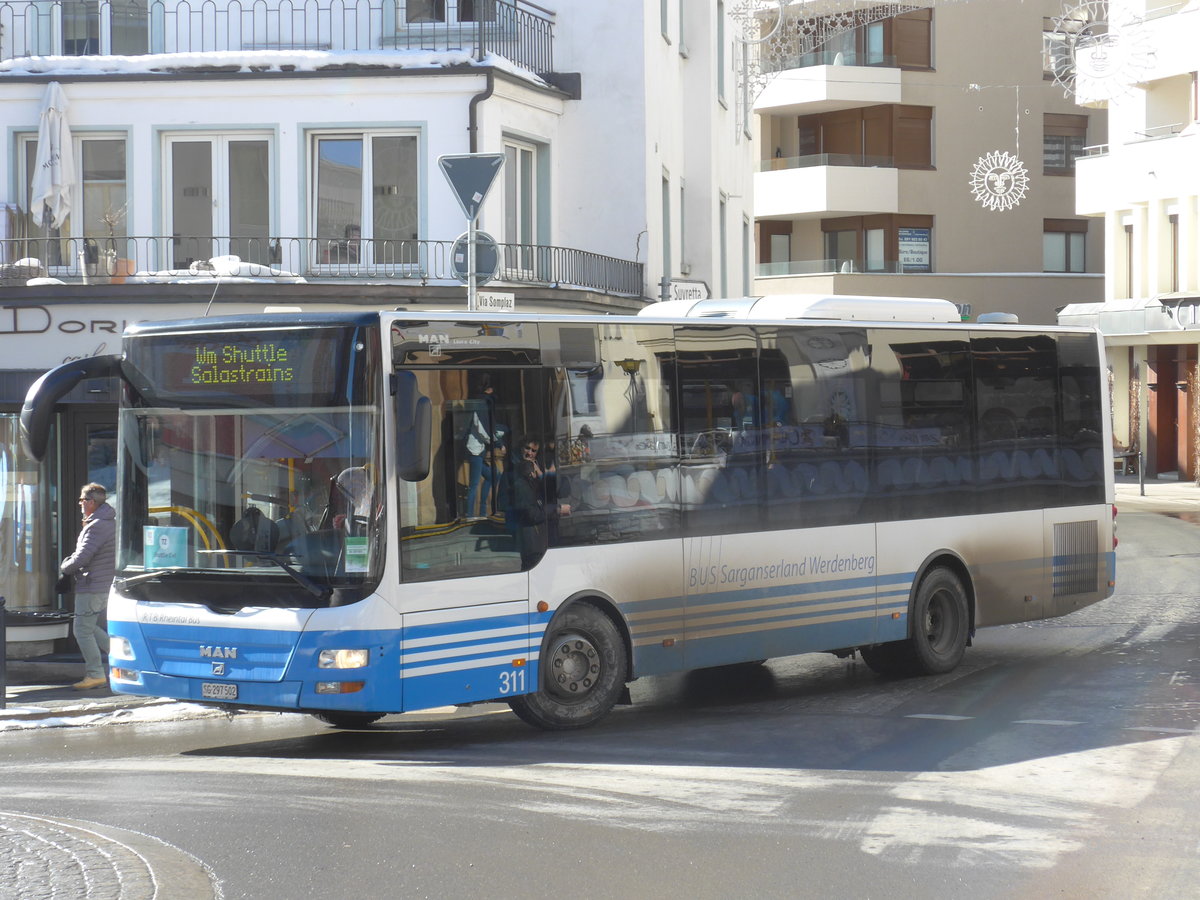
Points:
x=228, y=364
x=290, y=367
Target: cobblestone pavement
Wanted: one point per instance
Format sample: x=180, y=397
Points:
x=42, y=858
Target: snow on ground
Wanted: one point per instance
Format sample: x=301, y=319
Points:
x=15, y=718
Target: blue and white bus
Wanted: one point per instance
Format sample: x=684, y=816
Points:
x=358, y=514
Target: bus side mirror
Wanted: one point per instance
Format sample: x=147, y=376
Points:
x=414, y=429
x=37, y=414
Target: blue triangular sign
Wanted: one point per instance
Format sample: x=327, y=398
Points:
x=471, y=176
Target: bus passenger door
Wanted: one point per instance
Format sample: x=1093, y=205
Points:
x=464, y=581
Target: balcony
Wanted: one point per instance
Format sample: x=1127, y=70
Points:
x=289, y=260
x=516, y=30
x=1161, y=164
x=826, y=88
x=827, y=184
x=833, y=266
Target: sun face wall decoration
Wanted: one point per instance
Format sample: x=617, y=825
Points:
x=999, y=181
x=1093, y=55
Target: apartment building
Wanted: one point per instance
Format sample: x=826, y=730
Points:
x=225, y=156
x=930, y=153
x=1143, y=185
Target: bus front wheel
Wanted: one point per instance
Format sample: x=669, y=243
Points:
x=583, y=671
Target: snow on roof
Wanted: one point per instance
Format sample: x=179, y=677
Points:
x=256, y=60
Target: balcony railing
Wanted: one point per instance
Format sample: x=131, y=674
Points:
x=514, y=29
x=291, y=259
x=835, y=267
x=859, y=160
x=832, y=58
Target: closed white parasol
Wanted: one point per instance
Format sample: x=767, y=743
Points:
x=50, y=200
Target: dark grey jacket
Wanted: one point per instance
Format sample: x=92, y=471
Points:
x=94, y=560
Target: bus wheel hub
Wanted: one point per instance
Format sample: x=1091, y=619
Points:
x=574, y=665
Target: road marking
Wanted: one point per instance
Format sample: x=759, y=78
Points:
x=940, y=718
x=1062, y=722
x=1160, y=730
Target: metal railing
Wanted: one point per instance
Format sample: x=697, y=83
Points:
x=832, y=58
x=857, y=160
x=515, y=30
x=833, y=267
x=157, y=259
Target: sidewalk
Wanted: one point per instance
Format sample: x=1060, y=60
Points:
x=39, y=694
x=1169, y=497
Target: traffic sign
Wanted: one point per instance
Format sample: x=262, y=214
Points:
x=471, y=176
x=487, y=257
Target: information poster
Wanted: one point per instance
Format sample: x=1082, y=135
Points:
x=914, y=249
x=356, y=554
x=166, y=546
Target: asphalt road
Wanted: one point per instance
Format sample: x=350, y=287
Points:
x=1061, y=760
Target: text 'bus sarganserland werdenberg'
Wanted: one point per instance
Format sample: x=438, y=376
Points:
x=358, y=514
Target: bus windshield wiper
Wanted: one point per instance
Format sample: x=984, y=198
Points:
x=321, y=593
x=130, y=580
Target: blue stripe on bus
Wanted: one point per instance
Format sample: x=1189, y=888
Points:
x=463, y=626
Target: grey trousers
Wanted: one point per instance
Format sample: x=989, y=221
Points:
x=90, y=635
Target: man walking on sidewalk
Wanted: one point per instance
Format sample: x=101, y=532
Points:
x=92, y=565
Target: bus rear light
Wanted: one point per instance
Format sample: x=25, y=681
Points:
x=340, y=687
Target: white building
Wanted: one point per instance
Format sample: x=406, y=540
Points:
x=304, y=139
x=1145, y=183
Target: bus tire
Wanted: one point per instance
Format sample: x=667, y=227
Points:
x=885, y=659
x=582, y=672
x=940, y=624
x=348, y=719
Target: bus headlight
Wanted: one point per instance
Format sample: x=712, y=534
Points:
x=343, y=659
x=120, y=648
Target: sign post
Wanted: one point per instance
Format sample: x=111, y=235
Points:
x=471, y=176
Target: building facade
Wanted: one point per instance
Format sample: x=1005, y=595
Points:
x=225, y=157
x=926, y=154
x=1144, y=186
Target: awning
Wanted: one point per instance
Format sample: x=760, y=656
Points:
x=1140, y=315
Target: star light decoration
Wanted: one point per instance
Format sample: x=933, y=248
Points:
x=1093, y=57
x=999, y=181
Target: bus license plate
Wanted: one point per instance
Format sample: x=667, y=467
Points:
x=210, y=690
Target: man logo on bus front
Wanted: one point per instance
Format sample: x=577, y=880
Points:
x=218, y=668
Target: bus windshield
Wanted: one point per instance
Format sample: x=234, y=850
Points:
x=248, y=456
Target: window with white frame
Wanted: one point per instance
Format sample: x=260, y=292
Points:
x=217, y=197
x=667, y=268
x=98, y=201
x=425, y=11
x=112, y=27
x=521, y=224
x=366, y=197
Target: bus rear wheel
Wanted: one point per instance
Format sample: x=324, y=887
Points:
x=582, y=672
x=940, y=625
x=348, y=719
